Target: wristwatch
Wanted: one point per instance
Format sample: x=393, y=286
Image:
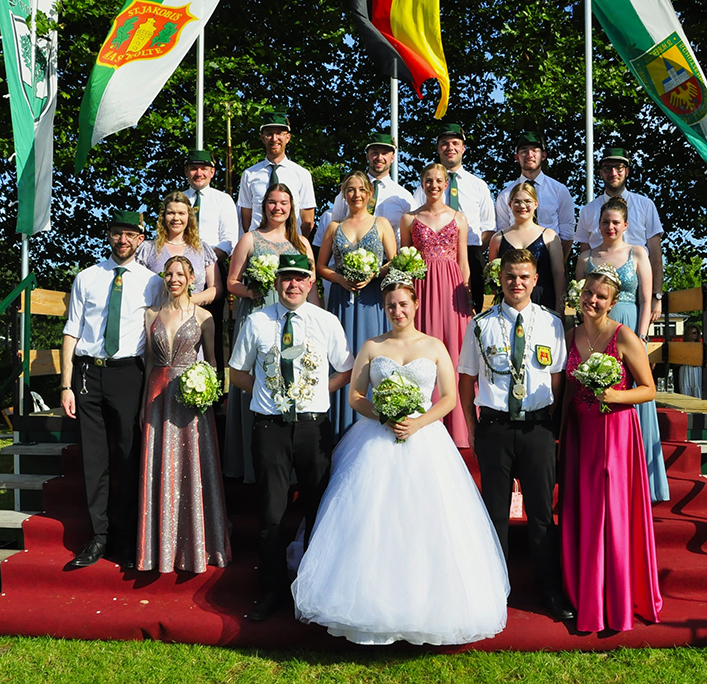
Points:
x=658, y=295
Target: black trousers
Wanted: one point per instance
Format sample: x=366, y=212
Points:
x=476, y=278
x=108, y=415
x=278, y=447
x=526, y=450
x=216, y=310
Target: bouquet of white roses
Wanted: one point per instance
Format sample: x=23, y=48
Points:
x=492, y=276
x=359, y=265
x=396, y=398
x=261, y=271
x=599, y=372
x=409, y=260
x=571, y=297
x=199, y=386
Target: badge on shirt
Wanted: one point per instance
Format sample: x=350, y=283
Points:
x=454, y=192
x=287, y=340
x=543, y=355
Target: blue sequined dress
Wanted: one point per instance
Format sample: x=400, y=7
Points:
x=626, y=312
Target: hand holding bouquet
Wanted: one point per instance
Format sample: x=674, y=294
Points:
x=360, y=265
x=409, y=260
x=261, y=271
x=598, y=373
x=571, y=297
x=199, y=386
x=396, y=398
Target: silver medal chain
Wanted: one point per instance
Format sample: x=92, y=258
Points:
x=518, y=376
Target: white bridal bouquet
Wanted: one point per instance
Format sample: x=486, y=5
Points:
x=410, y=261
x=396, y=398
x=261, y=271
x=571, y=297
x=492, y=276
x=599, y=372
x=199, y=386
x=359, y=265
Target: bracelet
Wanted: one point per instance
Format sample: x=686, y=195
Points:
x=61, y=389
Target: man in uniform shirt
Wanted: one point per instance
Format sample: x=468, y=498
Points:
x=644, y=227
x=276, y=168
x=101, y=377
x=281, y=351
x=389, y=200
x=555, y=204
x=468, y=194
x=516, y=352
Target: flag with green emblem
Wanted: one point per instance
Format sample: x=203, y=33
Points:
x=146, y=43
x=649, y=37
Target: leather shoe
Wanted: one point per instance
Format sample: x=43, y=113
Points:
x=92, y=553
x=266, y=606
x=559, y=607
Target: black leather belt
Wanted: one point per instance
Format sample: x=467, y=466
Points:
x=524, y=416
x=108, y=363
x=300, y=416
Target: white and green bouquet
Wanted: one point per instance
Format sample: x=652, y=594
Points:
x=359, y=265
x=199, y=386
x=571, y=296
x=396, y=398
x=599, y=372
x=492, y=279
x=409, y=260
x=261, y=271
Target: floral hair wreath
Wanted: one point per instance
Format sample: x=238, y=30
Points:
x=396, y=276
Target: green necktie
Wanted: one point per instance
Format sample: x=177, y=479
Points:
x=112, y=335
x=274, y=180
x=453, y=191
x=374, y=198
x=287, y=366
x=515, y=404
x=197, y=205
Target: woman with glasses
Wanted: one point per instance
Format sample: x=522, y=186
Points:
x=543, y=243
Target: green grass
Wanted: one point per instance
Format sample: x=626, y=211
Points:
x=42, y=660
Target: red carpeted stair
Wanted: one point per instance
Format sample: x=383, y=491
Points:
x=39, y=596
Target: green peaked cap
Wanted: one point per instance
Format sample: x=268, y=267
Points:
x=129, y=219
x=381, y=139
x=278, y=119
x=294, y=262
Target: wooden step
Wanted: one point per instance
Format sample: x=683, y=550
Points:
x=6, y=553
x=36, y=482
x=38, y=449
x=13, y=519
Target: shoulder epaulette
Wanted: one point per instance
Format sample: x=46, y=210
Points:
x=483, y=314
x=552, y=311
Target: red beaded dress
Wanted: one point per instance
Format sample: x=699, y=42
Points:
x=443, y=311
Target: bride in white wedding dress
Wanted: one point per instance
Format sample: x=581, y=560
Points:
x=402, y=548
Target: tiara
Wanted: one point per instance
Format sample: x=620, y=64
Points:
x=608, y=271
x=396, y=276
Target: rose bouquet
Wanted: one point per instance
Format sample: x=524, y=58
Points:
x=396, y=398
x=599, y=372
x=199, y=386
x=359, y=265
x=409, y=260
x=571, y=296
x=261, y=271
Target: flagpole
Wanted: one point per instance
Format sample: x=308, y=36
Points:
x=394, y=119
x=200, y=90
x=589, y=122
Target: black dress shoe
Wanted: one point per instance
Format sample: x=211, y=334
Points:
x=92, y=553
x=559, y=607
x=266, y=606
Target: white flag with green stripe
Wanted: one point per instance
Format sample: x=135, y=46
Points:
x=146, y=43
x=648, y=36
x=30, y=65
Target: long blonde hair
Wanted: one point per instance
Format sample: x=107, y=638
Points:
x=191, y=232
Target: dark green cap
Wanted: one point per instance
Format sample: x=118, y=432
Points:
x=278, y=119
x=451, y=129
x=615, y=154
x=129, y=219
x=199, y=157
x=294, y=262
x=531, y=138
x=382, y=140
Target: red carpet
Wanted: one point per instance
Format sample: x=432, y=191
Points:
x=40, y=597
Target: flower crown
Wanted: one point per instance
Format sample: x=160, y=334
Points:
x=396, y=276
x=608, y=271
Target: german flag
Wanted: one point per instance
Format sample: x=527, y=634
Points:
x=405, y=40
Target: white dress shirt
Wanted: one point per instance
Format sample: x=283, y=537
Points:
x=393, y=201
x=474, y=202
x=643, y=220
x=88, y=309
x=555, y=206
x=547, y=333
x=218, y=218
x=256, y=180
x=263, y=329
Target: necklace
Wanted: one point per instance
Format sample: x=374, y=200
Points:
x=591, y=344
x=518, y=376
x=171, y=242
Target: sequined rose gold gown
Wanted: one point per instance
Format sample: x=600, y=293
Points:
x=182, y=521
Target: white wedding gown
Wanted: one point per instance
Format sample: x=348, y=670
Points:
x=402, y=548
